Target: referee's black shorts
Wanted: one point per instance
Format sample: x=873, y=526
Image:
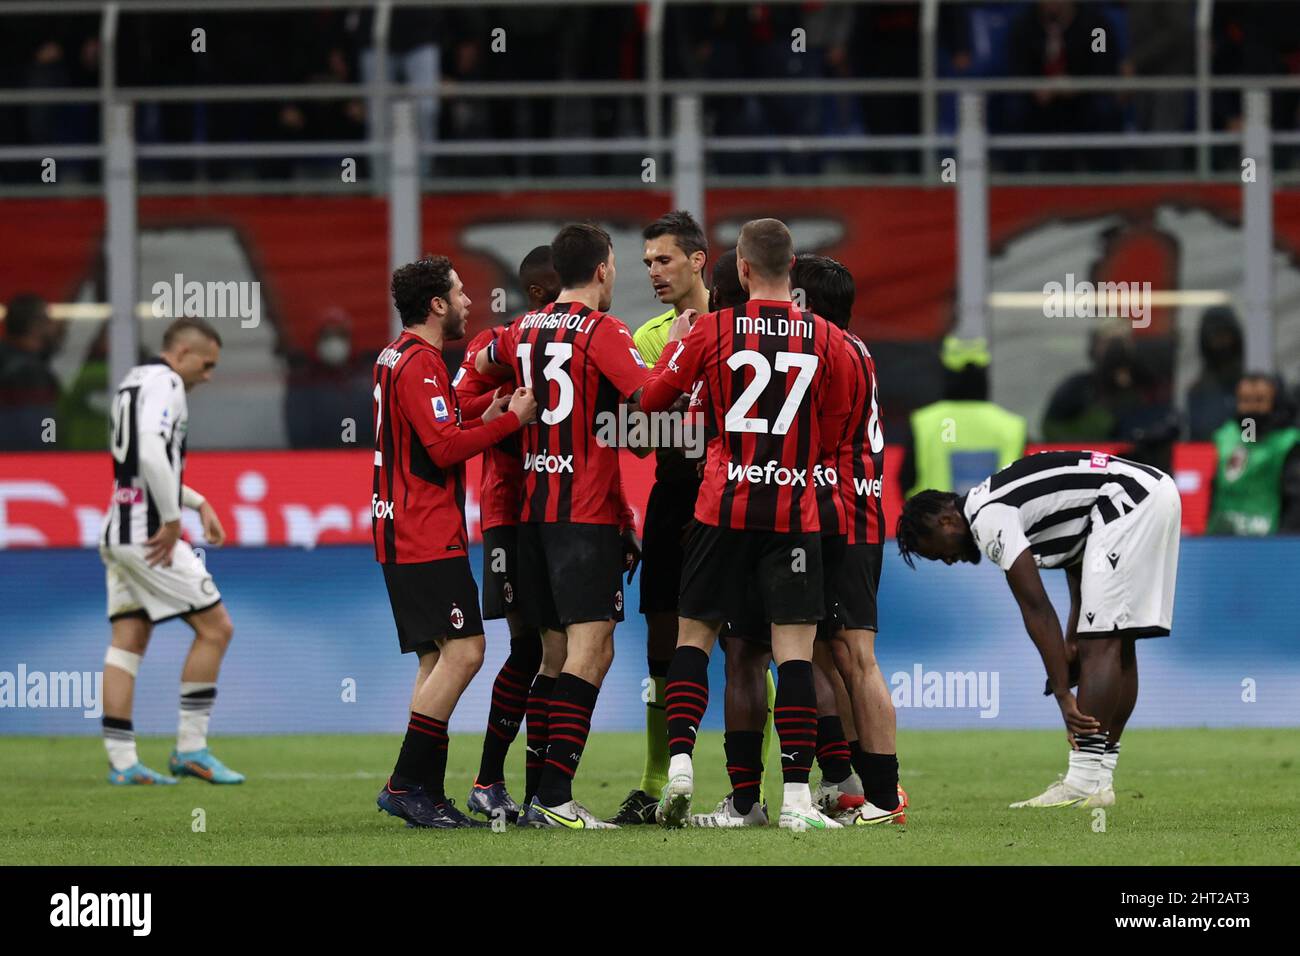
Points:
x=431, y=601
x=669, y=511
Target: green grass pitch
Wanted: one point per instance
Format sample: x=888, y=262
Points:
x=1184, y=797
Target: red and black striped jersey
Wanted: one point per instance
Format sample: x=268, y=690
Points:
x=858, y=463
x=777, y=399
x=418, y=498
x=501, y=481
x=580, y=364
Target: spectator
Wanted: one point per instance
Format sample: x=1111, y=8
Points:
x=1212, y=398
x=29, y=390
x=1056, y=38
x=1124, y=398
x=1163, y=44
x=954, y=444
x=328, y=387
x=1257, y=485
x=83, y=409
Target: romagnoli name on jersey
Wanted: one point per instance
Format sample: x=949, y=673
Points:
x=558, y=320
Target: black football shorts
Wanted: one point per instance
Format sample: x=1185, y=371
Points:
x=501, y=574
x=669, y=511
x=570, y=573
x=432, y=600
x=726, y=572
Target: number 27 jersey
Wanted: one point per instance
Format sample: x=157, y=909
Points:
x=580, y=364
x=777, y=399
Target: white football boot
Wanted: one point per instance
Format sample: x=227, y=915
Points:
x=1058, y=795
x=1105, y=797
x=798, y=812
x=675, y=803
x=727, y=817
x=569, y=816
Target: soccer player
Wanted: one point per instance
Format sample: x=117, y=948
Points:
x=423, y=436
x=1113, y=526
x=500, y=493
x=750, y=693
x=574, y=535
x=675, y=255
x=852, y=554
x=777, y=402
x=151, y=574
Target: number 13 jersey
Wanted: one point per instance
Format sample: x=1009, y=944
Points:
x=580, y=364
x=777, y=397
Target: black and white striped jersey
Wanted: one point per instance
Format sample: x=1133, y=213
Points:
x=148, y=421
x=1051, y=502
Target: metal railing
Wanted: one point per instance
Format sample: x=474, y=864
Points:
x=651, y=90
x=397, y=152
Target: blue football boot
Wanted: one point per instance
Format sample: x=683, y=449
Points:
x=493, y=802
x=137, y=775
x=202, y=764
x=418, y=810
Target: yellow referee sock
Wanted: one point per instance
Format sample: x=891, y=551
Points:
x=655, y=773
x=773, y=784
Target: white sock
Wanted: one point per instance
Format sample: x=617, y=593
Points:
x=119, y=741
x=1108, y=761
x=680, y=764
x=197, y=698
x=1085, y=763
x=796, y=796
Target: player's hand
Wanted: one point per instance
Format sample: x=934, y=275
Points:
x=682, y=325
x=1076, y=722
x=524, y=405
x=497, y=408
x=631, y=553
x=158, y=549
x=212, y=530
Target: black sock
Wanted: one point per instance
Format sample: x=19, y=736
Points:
x=795, y=717
x=539, y=700
x=568, y=721
x=879, y=773
x=686, y=696
x=506, y=713
x=657, y=668
x=744, y=750
x=423, y=759
x=832, y=750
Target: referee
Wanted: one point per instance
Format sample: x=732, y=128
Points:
x=675, y=254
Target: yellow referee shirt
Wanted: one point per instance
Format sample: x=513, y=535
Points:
x=651, y=338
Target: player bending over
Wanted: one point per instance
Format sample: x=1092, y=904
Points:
x=1113, y=526
x=525, y=677
x=151, y=574
x=777, y=405
x=423, y=436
